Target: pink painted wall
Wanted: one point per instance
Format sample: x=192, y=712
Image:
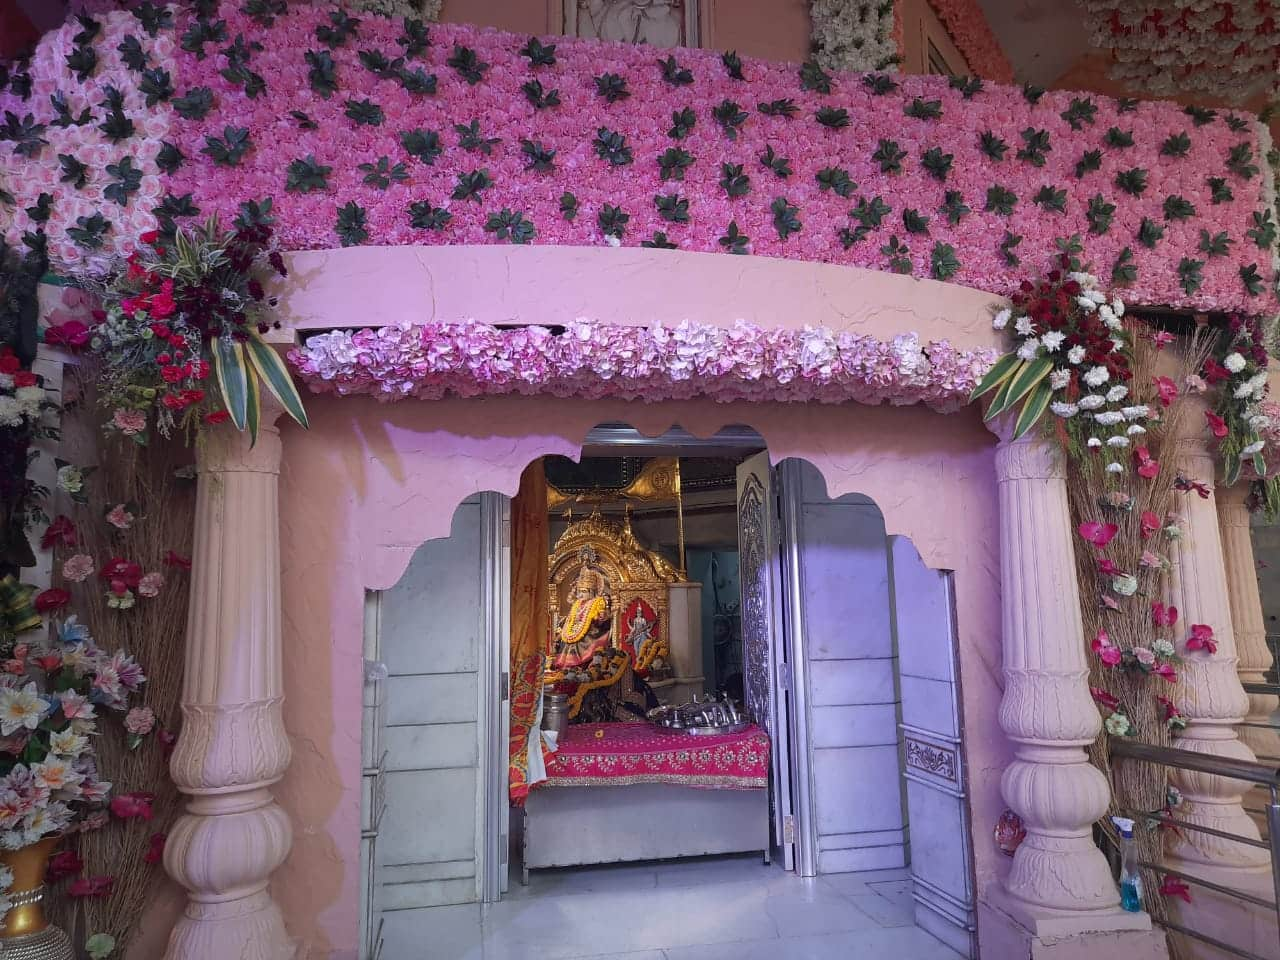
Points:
x=369, y=483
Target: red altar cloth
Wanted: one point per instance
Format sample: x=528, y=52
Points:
x=620, y=754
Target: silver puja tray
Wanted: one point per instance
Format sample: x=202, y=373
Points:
x=700, y=718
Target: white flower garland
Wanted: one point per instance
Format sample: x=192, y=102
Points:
x=428, y=10
x=853, y=36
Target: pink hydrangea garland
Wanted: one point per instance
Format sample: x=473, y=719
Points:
x=969, y=30
x=595, y=361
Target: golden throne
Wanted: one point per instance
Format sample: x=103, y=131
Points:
x=608, y=607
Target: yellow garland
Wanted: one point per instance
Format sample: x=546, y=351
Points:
x=576, y=627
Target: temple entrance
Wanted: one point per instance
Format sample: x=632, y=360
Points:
x=676, y=572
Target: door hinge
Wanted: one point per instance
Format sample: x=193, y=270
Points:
x=504, y=686
x=784, y=676
x=788, y=829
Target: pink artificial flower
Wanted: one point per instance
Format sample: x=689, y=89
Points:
x=1149, y=559
x=172, y=559
x=1107, y=567
x=150, y=585
x=1107, y=652
x=1110, y=602
x=168, y=740
x=1166, y=672
x=155, y=850
x=1150, y=524
x=1104, y=699
x=1195, y=383
x=1161, y=339
x=78, y=568
x=1202, y=490
x=1170, y=711
x=63, y=864
x=140, y=721
x=127, y=806
x=119, y=517
x=1216, y=424
x=60, y=531
x=1166, y=390
x=91, y=886
x=1202, y=638
x=72, y=334
x=1144, y=656
x=1171, y=886
x=47, y=601
x=1099, y=534
x=129, y=422
x=1147, y=468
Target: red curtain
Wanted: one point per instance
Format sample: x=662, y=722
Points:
x=530, y=622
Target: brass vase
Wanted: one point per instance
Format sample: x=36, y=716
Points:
x=26, y=934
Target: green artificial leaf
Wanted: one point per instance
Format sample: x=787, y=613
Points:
x=733, y=180
x=1132, y=182
x=230, y=148
x=870, y=214
x=813, y=77
x=1236, y=124
x=131, y=53
x=232, y=377
x=468, y=66
x=304, y=121
x=340, y=28
x=1216, y=244
x=899, y=255
x=889, y=156
x=612, y=146
x=364, y=112
x=1199, y=115
x=377, y=63
x=1124, y=270
x=1008, y=245
x=126, y=180
x=100, y=946
x=879, y=83
x=1032, y=93
x=322, y=74
x=682, y=123
x=779, y=108
x=307, y=175
x=1126, y=105
x=732, y=65
x=943, y=264
x=253, y=213
x=675, y=74
x=835, y=179
x=155, y=18
x=1070, y=247
x=1000, y=200
x=170, y=208
x=785, y=219
x=194, y=104
x=1051, y=199
x=155, y=86
x=1090, y=161
x=1178, y=208
x=264, y=12
x=1252, y=281
x=200, y=32
x=672, y=207
x=240, y=52
x=1082, y=111
x=923, y=109
x=734, y=241
x=954, y=207
x=472, y=140
x=968, y=86
x=937, y=163
x=510, y=225
x=1189, y=274
x=73, y=171
x=39, y=213
x=1240, y=161
x=1032, y=410
x=1024, y=381
x=169, y=158
x=540, y=98
x=423, y=144
x=993, y=146
x=1220, y=190
x=612, y=87
x=568, y=206
x=730, y=116
x=352, y=226
x=1118, y=139
x=415, y=39
x=1150, y=233
x=383, y=173
x=20, y=84
x=417, y=81
x=272, y=371
x=25, y=133
x=537, y=157
x=1176, y=145
x=423, y=216
x=612, y=220
x=82, y=61
x=673, y=163
x=660, y=241
x=89, y=231
x=833, y=117
x=1262, y=229
x=914, y=222
x=470, y=185
x=998, y=375
x=64, y=118
x=781, y=166
x=1036, y=146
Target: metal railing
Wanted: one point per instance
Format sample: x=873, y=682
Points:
x=1261, y=774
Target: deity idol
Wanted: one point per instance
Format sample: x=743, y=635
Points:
x=586, y=629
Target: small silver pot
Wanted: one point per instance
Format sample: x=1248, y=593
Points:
x=555, y=712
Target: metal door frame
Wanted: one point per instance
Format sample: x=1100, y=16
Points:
x=494, y=708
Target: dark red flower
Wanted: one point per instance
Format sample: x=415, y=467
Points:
x=62, y=531
x=1216, y=424
x=172, y=559
x=91, y=887
x=63, y=864
x=52, y=599
x=126, y=571
x=217, y=416
x=73, y=334
x=168, y=740
x=24, y=378
x=171, y=373
x=150, y=237
x=1173, y=887
x=155, y=852
x=126, y=806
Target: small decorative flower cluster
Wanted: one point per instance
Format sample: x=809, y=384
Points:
x=853, y=36
x=22, y=399
x=592, y=360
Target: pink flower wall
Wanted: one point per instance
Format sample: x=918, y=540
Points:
x=1162, y=200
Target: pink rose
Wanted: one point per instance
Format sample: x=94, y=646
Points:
x=1111, y=656
x=119, y=517
x=151, y=584
x=1144, y=656
x=78, y=568
x=129, y=422
x=140, y=721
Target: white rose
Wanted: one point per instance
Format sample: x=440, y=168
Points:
x=1087, y=304
x=1001, y=319
x=1059, y=379
x=1117, y=393
x=1024, y=327
x=1075, y=354
x=1029, y=349
x=1093, y=442
x=1234, y=362
x=1053, y=340
x=1137, y=413
x=1116, y=468
x=1136, y=429
x=1118, y=442
x=1109, y=418
x=70, y=479
x=1117, y=307
x=1064, y=410
x=1092, y=401
x=1096, y=296
x=1097, y=376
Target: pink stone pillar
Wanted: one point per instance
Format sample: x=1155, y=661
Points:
x=232, y=747
x=1247, y=620
x=1060, y=884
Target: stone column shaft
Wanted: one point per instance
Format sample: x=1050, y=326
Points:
x=232, y=746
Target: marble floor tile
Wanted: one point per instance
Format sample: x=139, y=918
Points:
x=898, y=944
x=861, y=882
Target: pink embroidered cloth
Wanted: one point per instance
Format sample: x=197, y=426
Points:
x=620, y=754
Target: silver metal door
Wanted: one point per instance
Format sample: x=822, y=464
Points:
x=766, y=676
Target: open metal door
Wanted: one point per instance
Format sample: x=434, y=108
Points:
x=766, y=676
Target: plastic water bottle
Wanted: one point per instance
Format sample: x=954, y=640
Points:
x=1130, y=877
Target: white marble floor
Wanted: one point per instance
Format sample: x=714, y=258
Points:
x=723, y=908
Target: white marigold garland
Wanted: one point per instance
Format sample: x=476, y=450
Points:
x=853, y=36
